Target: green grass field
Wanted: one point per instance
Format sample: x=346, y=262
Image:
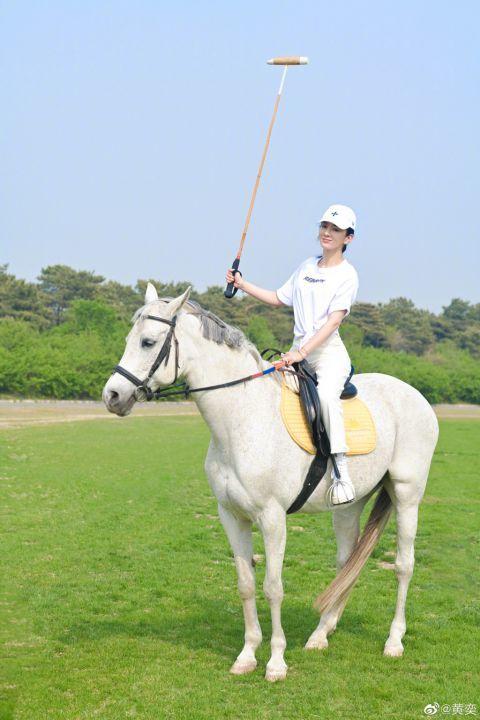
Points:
x=118, y=592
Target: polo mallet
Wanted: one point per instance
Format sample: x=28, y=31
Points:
x=286, y=61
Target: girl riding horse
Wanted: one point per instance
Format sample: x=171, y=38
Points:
x=322, y=290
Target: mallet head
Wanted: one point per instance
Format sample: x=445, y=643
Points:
x=293, y=60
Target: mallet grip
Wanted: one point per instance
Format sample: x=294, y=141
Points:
x=230, y=290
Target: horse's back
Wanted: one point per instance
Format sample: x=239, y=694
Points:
x=397, y=393
x=416, y=425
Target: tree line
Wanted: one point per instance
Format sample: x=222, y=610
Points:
x=60, y=336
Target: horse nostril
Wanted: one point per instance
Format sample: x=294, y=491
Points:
x=112, y=396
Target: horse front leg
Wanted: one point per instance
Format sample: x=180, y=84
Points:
x=239, y=533
x=272, y=523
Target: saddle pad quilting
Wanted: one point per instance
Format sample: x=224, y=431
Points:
x=359, y=426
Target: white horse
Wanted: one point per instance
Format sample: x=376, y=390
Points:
x=256, y=470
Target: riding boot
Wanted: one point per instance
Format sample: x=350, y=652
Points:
x=341, y=490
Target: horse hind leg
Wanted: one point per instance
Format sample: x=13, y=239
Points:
x=407, y=519
x=346, y=524
x=239, y=533
x=405, y=483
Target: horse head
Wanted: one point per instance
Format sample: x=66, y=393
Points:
x=151, y=358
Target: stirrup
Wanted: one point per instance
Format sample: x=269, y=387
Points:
x=346, y=488
x=339, y=487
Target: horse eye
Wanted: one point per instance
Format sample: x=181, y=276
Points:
x=147, y=343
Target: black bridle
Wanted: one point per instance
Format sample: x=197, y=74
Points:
x=144, y=391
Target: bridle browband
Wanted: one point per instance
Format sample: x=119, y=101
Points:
x=144, y=391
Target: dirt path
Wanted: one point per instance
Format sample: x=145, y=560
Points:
x=465, y=412
x=19, y=413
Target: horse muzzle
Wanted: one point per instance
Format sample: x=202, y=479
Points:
x=116, y=400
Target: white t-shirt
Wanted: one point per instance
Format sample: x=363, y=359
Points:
x=316, y=292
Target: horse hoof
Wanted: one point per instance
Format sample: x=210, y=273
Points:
x=313, y=643
x=393, y=650
x=275, y=676
x=243, y=668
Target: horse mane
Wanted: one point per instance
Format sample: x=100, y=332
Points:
x=213, y=328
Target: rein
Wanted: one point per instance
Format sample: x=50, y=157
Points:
x=186, y=389
x=144, y=391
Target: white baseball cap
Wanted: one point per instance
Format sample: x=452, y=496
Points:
x=341, y=215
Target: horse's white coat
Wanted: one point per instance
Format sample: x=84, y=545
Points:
x=256, y=470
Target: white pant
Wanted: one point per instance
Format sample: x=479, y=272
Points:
x=331, y=362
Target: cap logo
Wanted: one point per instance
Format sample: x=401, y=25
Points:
x=334, y=213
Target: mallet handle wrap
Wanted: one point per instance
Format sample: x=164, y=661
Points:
x=231, y=290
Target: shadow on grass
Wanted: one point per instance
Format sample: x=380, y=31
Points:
x=212, y=627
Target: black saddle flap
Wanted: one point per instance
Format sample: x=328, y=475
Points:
x=307, y=381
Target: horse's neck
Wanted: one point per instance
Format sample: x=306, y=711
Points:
x=215, y=364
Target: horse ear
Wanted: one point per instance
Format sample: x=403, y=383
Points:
x=175, y=305
x=150, y=294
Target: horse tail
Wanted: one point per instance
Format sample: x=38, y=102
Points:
x=340, y=588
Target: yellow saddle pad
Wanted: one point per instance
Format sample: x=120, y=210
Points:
x=359, y=427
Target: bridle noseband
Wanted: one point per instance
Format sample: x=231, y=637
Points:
x=143, y=390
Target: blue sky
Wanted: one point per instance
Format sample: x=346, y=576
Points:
x=131, y=135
